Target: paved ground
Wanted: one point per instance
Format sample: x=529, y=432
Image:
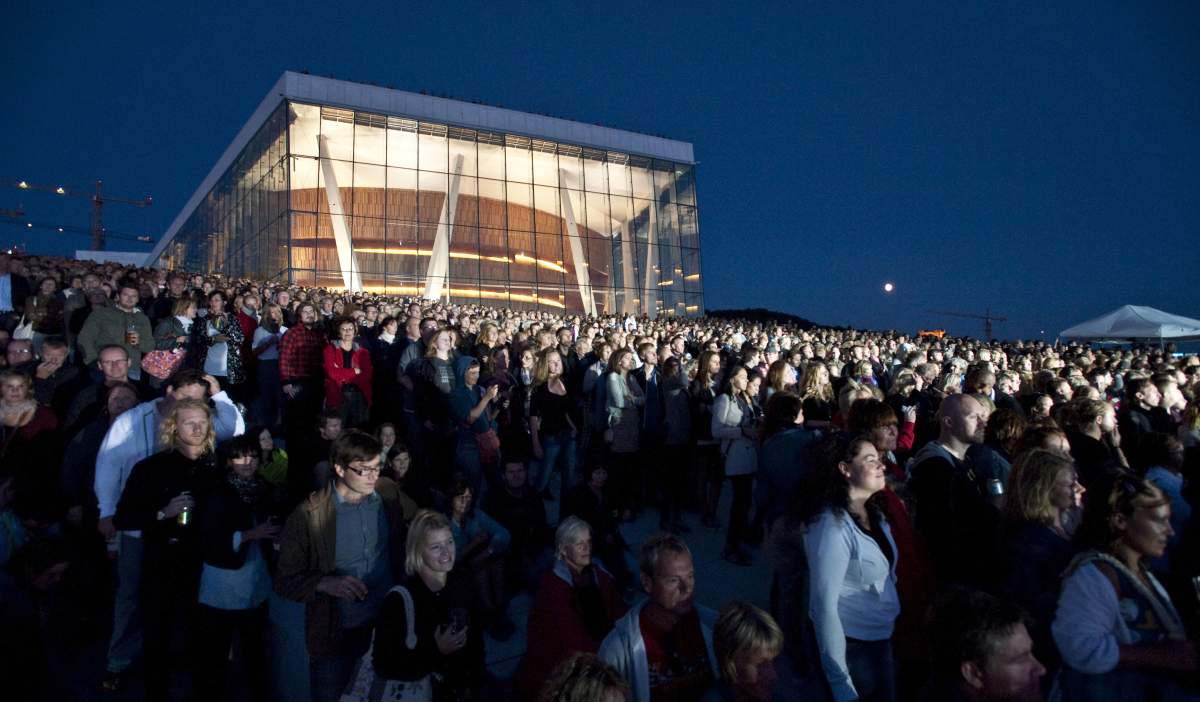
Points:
x=76, y=670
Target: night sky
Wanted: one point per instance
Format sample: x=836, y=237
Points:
x=1043, y=162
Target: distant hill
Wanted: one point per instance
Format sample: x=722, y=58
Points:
x=758, y=314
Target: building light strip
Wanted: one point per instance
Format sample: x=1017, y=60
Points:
x=519, y=258
x=465, y=292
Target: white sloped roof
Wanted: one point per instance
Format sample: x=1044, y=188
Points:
x=1135, y=322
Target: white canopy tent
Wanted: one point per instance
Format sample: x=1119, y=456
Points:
x=1135, y=322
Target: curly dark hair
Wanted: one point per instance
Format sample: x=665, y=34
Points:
x=824, y=486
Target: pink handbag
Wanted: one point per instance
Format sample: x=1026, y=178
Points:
x=162, y=364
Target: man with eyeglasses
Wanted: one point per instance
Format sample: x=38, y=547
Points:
x=341, y=551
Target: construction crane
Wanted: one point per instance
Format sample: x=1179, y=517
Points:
x=987, y=318
x=98, y=198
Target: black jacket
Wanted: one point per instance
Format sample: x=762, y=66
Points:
x=225, y=512
x=153, y=482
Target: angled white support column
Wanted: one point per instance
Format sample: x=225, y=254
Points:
x=347, y=260
x=582, y=277
x=650, y=287
x=628, y=277
x=438, y=275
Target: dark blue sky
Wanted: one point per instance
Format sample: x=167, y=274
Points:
x=1043, y=162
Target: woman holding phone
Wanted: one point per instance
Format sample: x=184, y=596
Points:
x=428, y=632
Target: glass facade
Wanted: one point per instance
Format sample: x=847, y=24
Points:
x=340, y=198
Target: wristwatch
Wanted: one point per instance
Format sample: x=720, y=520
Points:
x=160, y=515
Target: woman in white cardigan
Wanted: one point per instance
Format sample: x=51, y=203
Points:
x=734, y=426
x=853, y=602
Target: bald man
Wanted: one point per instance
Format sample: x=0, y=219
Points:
x=953, y=511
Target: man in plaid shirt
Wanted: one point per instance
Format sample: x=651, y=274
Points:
x=300, y=371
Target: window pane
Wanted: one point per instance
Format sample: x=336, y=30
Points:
x=685, y=184
x=664, y=182
x=369, y=190
x=643, y=184
x=402, y=142
x=518, y=161
x=464, y=149
x=466, y=208
x=599, y=223
x=343, y=174
x=521, y=252
x=337, y=133
x=304, y=183
x=492, y=204
x=433, y=150
x=304, y=239
x=493, y=252
x=545, y=164
x=401, y=194
x=689, y=231
x=370, y=138
x=520, y=207
x=431, y=201
x=306, y=125
x=618, y=179
x=545, y=201
x=491, y=156
x=570, y=167
x=595, y=175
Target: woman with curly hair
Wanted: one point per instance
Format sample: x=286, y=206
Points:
x=817, y=393
x=585, y=678
x=853, y=602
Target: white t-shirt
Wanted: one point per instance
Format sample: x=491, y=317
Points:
x=217, y=361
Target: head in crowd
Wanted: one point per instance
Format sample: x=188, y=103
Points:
x=980, y=647
x=746, y=641
x=814, y=383
x=329, y=424
x=18, y=352
x=243, y=456
x=16, y=392
x=1004, y=430
x=1046, y=435
x=573, y=544
x=961, y=419
x=118, y=398
x=785, y=410
x=667, y=573
x=188, y=425
x=842, y=467
x=1142, y=392
x=113, y=361
x=184, y=307
x=584, y=678
x=430, y=544
x=1042, y=488
x=355, y=459
x=1125, y=515
x=461, y=496
x=876, y=420
x=549, y=365
x=187, y=384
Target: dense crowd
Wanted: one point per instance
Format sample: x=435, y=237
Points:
x=943, y=518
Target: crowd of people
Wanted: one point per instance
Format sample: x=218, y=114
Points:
x=943, y=518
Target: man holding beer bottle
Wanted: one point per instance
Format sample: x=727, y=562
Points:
x=159, y=499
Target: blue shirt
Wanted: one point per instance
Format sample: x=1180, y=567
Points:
x=6, y=302
x=361, y=550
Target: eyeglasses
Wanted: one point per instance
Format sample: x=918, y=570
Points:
x=364, y=472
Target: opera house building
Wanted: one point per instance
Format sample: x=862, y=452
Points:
x=344, y=185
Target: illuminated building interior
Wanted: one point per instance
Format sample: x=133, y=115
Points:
x=362, y=200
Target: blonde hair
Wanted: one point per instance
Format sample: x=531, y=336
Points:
x=743, y=630
x=583, y=678
x=425, y=521
x=1031, y=483
x=181, y=306
x=541, y=365
x=166, y=431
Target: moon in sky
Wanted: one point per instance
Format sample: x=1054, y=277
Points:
x=888, y=287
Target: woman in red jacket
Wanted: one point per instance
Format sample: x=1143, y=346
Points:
x=348, y=375
x=576, y=605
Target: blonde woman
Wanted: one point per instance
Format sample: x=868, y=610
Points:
x=817, y=393
x=747, y=641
